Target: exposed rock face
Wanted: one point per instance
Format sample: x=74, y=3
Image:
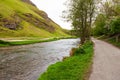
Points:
x=44, y=24
x=12, y=24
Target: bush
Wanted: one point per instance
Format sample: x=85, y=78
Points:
x=79, y=51
x=115, y=26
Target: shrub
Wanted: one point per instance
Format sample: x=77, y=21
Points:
x=79, y=50
x=115, y=26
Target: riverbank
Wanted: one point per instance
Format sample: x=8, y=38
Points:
x=29, y=61
x=76, y=67
x=12, y=42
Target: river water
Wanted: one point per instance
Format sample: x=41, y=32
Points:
x=27, y=62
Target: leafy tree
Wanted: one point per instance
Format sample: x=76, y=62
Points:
x=107, y=21
x=115, y=26
x=81, y=14
x=100, y=23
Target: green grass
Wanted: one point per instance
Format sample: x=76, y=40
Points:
x=14, y=9
x=25, y=42
x=72, y=68
x=28, y=40
x=4, y=43
x=9, y=7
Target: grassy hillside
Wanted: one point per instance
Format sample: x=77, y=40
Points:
x=20, y=18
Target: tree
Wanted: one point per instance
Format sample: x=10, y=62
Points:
x=108, y=23
x=81, y=14
x=100, y=23
x=115, y=27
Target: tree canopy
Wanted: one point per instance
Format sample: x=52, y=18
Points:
x=81, y=14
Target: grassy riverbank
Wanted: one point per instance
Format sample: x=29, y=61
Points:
x=24, y=42
x=29, y=41
x=75, y=67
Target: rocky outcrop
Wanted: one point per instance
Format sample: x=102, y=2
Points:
x=13, y=23
x=44, y=24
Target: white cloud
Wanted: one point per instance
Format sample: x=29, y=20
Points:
x=54, y=10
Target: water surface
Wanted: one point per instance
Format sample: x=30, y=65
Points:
x=27, y=62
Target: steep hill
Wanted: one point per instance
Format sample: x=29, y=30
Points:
x=21, y=18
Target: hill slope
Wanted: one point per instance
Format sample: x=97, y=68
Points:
x=21, y=18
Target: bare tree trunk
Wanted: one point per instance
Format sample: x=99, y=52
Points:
x=82, y=33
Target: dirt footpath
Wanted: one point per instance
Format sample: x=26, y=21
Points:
x=106, y=64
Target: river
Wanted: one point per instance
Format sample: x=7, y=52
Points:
x=27, y=62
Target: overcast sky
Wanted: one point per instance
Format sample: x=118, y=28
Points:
x=54, y=10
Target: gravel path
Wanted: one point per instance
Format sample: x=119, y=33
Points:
x=106, y=64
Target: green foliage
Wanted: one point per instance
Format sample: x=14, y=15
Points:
x=108, y=21
x=81, y=14
x=72, y=68
x=115, y=26
x=79, y=51
x=100, y=23
x=103, y=28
